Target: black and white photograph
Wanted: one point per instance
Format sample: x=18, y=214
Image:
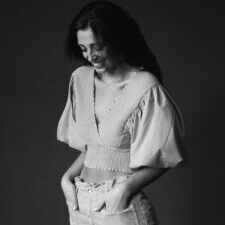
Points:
x=112, y=112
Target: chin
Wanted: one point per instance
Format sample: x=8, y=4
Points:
x=100, y=69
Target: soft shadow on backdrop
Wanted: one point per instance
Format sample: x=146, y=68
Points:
x=188, y=40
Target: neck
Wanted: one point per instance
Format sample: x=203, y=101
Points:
x=118, y=74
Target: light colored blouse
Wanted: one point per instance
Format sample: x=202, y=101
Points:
x=143, y=125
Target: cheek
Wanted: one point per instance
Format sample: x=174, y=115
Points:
x=105, y=57
x=85, y=55
x=109, y=59
x=100, y=56
x=103, y=54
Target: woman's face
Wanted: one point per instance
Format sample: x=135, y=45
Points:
x=94, y=52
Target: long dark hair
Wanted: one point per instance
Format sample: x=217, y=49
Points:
x=116, y=29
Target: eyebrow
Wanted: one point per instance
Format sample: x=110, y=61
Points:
x=93, y=44
x=81, y=45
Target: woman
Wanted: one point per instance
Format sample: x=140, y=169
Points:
x=119, y=116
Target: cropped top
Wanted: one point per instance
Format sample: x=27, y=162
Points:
x=143, y=126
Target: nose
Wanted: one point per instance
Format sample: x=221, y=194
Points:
x=91, y=55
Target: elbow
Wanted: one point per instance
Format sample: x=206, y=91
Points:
x=64, y=180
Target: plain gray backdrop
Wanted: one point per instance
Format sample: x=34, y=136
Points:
x=187, y=38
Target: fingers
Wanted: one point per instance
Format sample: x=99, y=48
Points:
x=73, y=204
x=70, y=194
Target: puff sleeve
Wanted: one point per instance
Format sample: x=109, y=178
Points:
x=157, y=131
x=67, y=131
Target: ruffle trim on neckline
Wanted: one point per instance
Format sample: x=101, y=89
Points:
x=139, y=109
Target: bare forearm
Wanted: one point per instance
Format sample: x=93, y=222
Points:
x=142, y=177
x=75, y=168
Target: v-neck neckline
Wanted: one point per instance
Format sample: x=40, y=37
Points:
x=97, y=121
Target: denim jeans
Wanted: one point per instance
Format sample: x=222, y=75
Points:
x=139, y=212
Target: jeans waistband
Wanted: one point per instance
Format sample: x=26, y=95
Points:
x=91, y=187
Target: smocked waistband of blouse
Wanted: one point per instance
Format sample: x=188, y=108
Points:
x=107, y=158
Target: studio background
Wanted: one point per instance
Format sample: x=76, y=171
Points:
x=187, y=38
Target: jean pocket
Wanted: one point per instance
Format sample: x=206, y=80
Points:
x=130, y=208
x=123, y=217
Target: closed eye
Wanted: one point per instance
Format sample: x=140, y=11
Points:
x=98, y=47
x=82, y=48
x=94, y=47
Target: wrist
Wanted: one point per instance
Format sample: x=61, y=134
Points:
x=126, y=190
x=129, y=189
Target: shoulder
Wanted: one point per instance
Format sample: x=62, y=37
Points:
x=139, y=85
x=82, y=79
x=145, y=79
x=82, y=72
x=142, y=82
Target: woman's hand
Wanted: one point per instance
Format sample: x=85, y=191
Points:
x=117, y=199
x=69, y=191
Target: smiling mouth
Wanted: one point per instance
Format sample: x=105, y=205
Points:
x=97, y=64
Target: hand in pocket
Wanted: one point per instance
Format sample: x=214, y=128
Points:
x=70, y=194
x=116, y=200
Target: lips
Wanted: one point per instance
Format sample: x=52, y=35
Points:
x=98, y=64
